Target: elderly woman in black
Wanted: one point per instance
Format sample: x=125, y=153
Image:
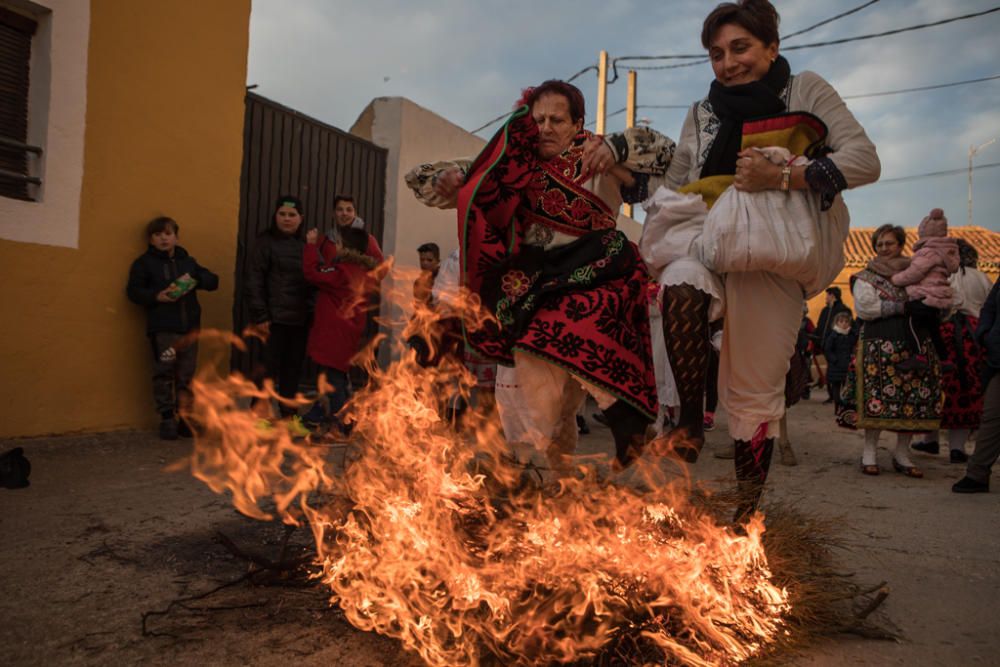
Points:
x=878, y=395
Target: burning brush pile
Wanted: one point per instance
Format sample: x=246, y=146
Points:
x=432, y=536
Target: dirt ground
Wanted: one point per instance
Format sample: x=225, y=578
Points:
x=104, y=535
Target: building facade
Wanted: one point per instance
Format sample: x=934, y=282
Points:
x=134, y=110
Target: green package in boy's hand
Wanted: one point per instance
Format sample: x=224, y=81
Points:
x=181, y=286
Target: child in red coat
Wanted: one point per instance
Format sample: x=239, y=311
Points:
x=344, y=282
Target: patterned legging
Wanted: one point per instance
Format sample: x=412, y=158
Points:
x=687, y=337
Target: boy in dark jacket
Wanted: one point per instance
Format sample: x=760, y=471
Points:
x=824, y=326
x=837, y=349
x=164, y=280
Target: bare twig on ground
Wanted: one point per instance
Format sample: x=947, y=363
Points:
x=191, y=598
x=259, y=565
x=263, y=562
x=108, y=552
x=883, y=593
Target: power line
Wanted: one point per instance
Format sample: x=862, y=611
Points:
x=701, y=56
x=581, y=72
x=609, y=115
x=859, y=96
x=701, y=59
x=811, y=45
x=486, y=125
x=845, y=97
x=830, y=20
x=662, y=67
x=933, y=174
x=920, y=88
x=845, y=40
x=502, y=116
x=897, y=31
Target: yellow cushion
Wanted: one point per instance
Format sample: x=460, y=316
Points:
x=799, y=132
x=710, y=187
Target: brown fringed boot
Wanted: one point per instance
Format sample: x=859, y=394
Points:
x=687, y=336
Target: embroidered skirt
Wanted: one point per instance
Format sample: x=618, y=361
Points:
x=876, y=395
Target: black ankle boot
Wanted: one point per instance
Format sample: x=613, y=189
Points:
x=628, y=426
x=751, y=473
x=748, y=501
x=688, y=438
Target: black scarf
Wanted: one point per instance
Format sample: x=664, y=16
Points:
x=735, y=104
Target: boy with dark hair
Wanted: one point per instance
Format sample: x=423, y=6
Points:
x=430, y=263
x=430, y=256
x=342, y=198
x=164, y=280
x=345, y=216
x=837, y=349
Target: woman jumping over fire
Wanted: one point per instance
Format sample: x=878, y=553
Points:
x=540, y=247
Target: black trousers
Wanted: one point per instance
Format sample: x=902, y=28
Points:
x=283, y=356
x=835, y=387
x=172, y=379
x=712, y=382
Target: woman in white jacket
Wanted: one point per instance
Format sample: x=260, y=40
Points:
x=762, y=310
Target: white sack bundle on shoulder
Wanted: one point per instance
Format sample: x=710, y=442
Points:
x=672, y=228
x=774, y=231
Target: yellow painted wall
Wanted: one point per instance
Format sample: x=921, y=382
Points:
x=164, y=136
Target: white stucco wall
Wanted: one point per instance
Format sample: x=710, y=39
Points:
x=412, y=135
x=56, y=122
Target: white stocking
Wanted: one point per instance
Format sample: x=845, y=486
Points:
x=957, y=438
x=868, y=457
x=902, y=454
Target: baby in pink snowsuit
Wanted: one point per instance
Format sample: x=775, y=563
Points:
x=935, y=258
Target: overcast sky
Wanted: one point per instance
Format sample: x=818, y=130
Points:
x=467, y=60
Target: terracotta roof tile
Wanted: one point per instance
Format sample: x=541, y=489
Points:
x=858, y=249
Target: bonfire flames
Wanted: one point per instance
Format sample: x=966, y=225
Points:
x=433, y=536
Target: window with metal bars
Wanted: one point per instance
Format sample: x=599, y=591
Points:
x=17, y=157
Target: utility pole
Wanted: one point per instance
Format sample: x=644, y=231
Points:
x=630, y=117
x=602, y=91
x=972, y=153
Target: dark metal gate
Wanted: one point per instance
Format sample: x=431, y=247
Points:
x=286, y=152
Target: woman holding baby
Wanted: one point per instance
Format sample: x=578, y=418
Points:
x=753, y=86
x=894, y=382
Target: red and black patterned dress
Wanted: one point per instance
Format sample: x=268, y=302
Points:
x=961, y=377
x=581, y=305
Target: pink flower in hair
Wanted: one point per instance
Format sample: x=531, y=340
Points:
x=525, y=94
